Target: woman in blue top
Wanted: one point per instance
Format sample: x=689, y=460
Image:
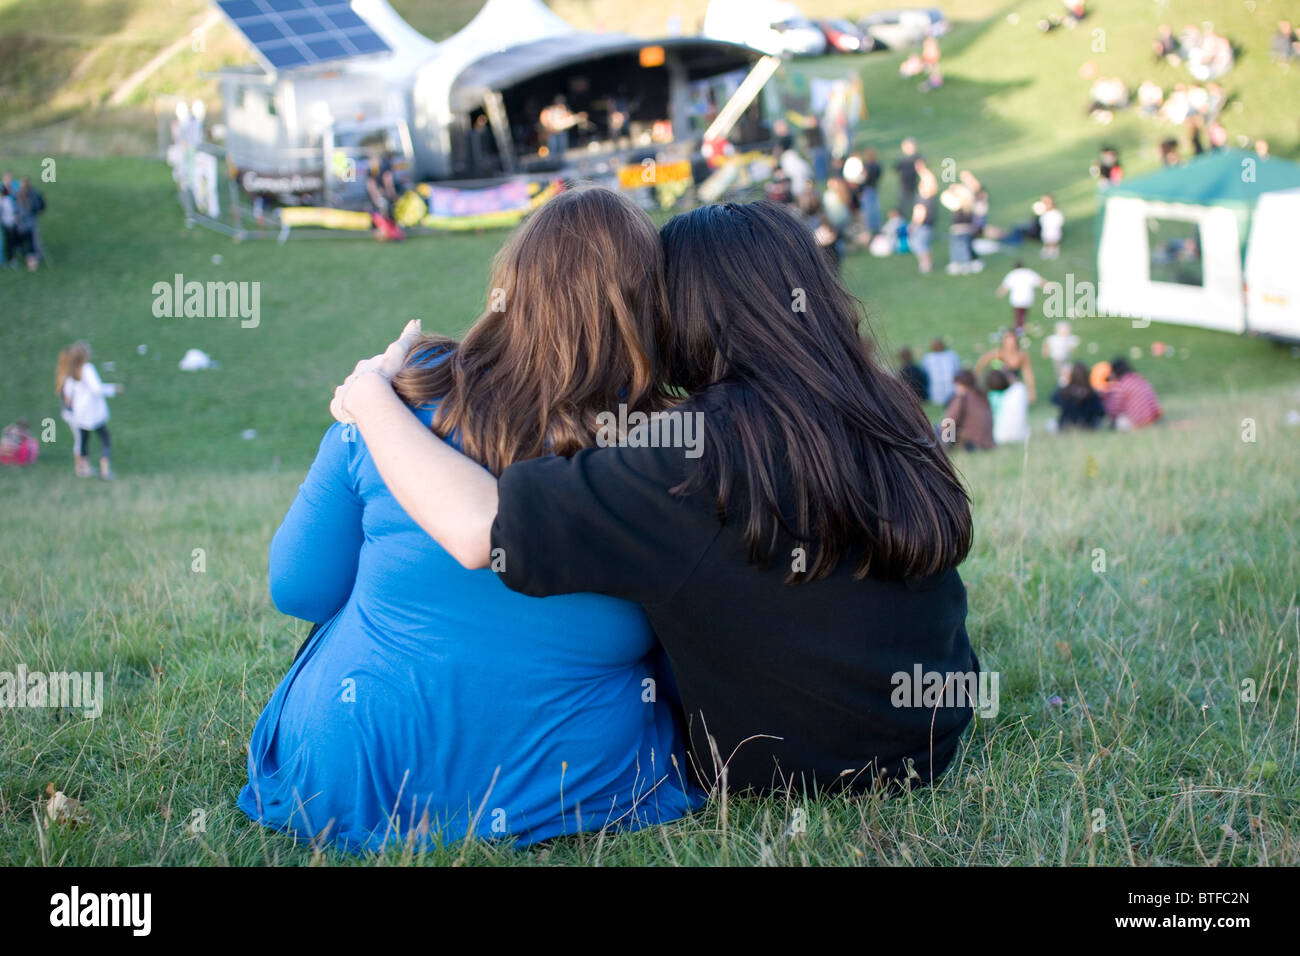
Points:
x=434, y=702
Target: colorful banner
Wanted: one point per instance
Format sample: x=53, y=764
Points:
x=650, y=173
x=450, y=202
x=492, y=208
x=325, y=218
x=496, y=207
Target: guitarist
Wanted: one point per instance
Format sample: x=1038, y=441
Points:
x=556, y=121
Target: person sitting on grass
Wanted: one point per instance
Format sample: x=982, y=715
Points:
x=1130, y=400
x=17, y=445
x=1010, y=357
x=1286, y=43
x=912, y=374
x=1010, y=403
x=431, y=702
x=967, y=421
x=1080, y=406
x=794, y=565
x=1165, y=46
x=941, y=365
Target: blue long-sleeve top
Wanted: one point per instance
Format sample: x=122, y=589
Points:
x=435, y=697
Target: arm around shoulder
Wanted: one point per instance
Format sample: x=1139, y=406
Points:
x=452, y=497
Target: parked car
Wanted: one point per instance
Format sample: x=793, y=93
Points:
x=897, y=29
x=843, y=36
x=772, y=26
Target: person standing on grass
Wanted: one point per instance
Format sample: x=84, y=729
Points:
x=1051, y=228
x=941, y=365
x=796, y=567
x=959, y=201
x=924, y=216
x=798, y=170
x=864, y=173
x=814, y=143
x=85, y=407
x=1060, y=347
x=908, y=177
x=431, y=702
x=1130, y=400
x=869, y=199
x=29, y=204
x=9, y=218
x=1020, y=284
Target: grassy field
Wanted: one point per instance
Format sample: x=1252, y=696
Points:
x=1126, y=733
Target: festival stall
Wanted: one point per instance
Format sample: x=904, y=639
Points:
x=470, y=120
x=1177, y=245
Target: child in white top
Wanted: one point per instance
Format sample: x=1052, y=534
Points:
x=1059, y=347
x=85, y=407
x=1020, y=284
x=1051, y=228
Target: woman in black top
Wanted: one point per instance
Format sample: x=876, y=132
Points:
x=792, y=530
x=1080, y=406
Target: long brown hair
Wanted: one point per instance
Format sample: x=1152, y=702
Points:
x=71, y=361
x=576, y=323
x=820, y=441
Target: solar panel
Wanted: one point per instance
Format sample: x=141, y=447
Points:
x=286, y=34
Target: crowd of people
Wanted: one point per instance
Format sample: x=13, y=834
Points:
x=1206, y=53
x=925, y=65
x=1195, y=106
x=846, y=213
x=988, y=405
x=21, y=205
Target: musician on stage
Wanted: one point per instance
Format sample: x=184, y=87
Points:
x=556, y=121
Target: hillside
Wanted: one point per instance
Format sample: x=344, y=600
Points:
x=63, y=61
x=1122, y=686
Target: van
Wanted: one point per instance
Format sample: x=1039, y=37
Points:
x=772, y=26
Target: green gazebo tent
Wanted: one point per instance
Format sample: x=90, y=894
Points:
x=1175, y=243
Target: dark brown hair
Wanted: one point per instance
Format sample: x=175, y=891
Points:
x=576, y=324
x=820, y=441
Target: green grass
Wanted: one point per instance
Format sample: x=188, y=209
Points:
x=1148, y=658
